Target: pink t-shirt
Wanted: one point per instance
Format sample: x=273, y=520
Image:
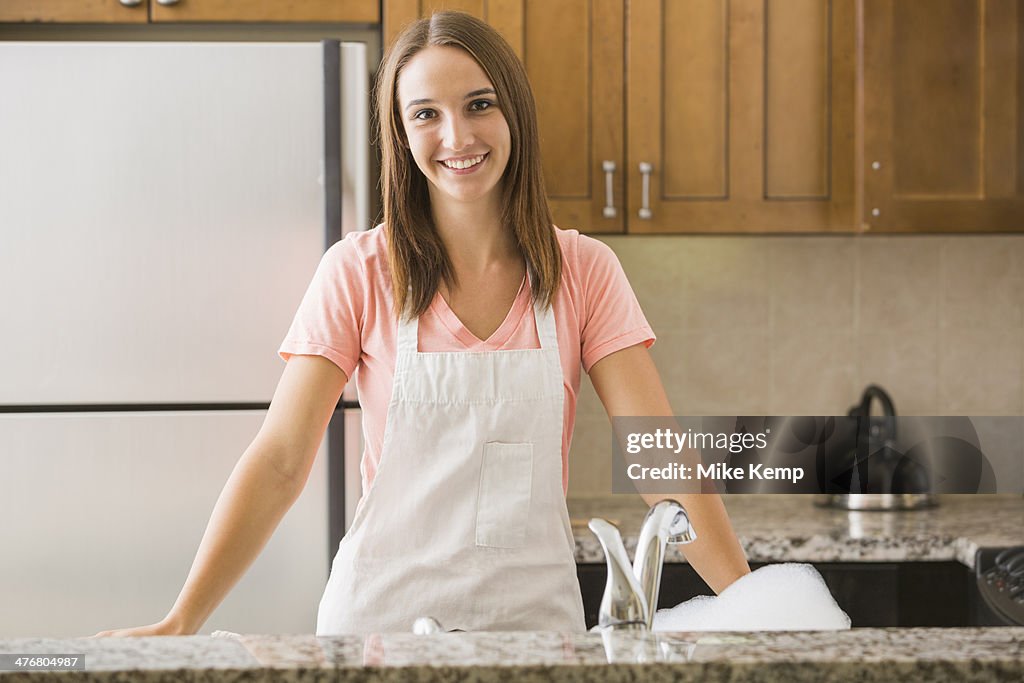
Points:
x=347, y=316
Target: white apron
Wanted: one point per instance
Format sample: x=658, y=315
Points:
x=465, y=520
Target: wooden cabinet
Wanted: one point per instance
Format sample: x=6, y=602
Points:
x=743, y=109
x=75, y=11
x=580, y=112
x=361, y=11
x=943, y=119
x=146, y=11
x=752, y=116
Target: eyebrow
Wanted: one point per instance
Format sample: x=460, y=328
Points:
x=475, y=93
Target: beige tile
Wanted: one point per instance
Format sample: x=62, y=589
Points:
x=587, y=401
x=980, y=372
x=654, y=270
x=813, y=373
x=590, y=457
x=906, y=365
x=723, y=284
x=717, y=373
x=983, y=282
x=667, y=353
x=590, y=454
x=899, y=284
x=697, y=283
x=812, y=281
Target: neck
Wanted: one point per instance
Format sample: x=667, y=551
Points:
x=473, y=234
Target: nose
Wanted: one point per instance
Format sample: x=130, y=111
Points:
x=457, y=134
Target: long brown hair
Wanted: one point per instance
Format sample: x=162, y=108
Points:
x=417, y=258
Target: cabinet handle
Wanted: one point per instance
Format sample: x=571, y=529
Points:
x=609, y=176
x=167, y=2
x=645, y=208
x=131, y=3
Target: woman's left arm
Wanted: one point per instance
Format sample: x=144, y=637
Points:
x=628, y=384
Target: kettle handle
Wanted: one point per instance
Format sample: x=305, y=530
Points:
x=864, y=409
x=873, y=391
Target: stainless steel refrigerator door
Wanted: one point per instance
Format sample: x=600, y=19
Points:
x=162, y=211
x=161, y=214
x=103, y=514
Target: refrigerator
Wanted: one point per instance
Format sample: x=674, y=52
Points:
x=163, y=207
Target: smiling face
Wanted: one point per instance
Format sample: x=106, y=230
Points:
x=451, y=116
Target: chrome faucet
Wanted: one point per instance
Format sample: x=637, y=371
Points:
x=631, y=592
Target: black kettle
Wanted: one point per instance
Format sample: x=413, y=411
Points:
x=873, y=473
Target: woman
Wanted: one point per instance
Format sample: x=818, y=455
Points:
x=468, y=316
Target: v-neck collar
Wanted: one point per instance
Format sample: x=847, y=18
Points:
x=500, y=335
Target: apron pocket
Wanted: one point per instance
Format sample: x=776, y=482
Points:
x=503, y=506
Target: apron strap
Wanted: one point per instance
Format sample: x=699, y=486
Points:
x=408, y=335
x=546, y=327
x=545, y=321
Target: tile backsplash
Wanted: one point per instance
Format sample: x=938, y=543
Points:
x=800, y=325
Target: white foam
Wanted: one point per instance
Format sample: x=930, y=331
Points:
x=776, y=597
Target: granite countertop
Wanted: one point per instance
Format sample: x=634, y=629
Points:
x=772, y=528
x=909, y=655
x=790, y=528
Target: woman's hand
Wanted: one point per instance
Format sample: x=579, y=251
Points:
x=164, y=627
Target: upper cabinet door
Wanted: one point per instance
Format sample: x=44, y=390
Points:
x=580, y=108
x=943, y=142
x=75, y=11
x=740, y=115
x=504, y=15
x=353, y=11
x=573, y=52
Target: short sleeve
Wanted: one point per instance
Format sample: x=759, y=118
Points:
x=613, y=319
x=328, y=322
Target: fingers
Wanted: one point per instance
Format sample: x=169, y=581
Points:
x=153, y=630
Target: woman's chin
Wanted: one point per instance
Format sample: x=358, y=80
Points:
x=461, y=195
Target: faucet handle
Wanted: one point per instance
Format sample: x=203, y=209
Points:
x=624, y=604
x=668, y=518
x=680, y=530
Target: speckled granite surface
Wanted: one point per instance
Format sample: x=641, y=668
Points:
x=771, y=528
x=908, y=655
x=790, y=528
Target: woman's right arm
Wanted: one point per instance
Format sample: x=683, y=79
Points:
x=266, y=481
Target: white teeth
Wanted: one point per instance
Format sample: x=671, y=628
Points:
x=464, y=164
